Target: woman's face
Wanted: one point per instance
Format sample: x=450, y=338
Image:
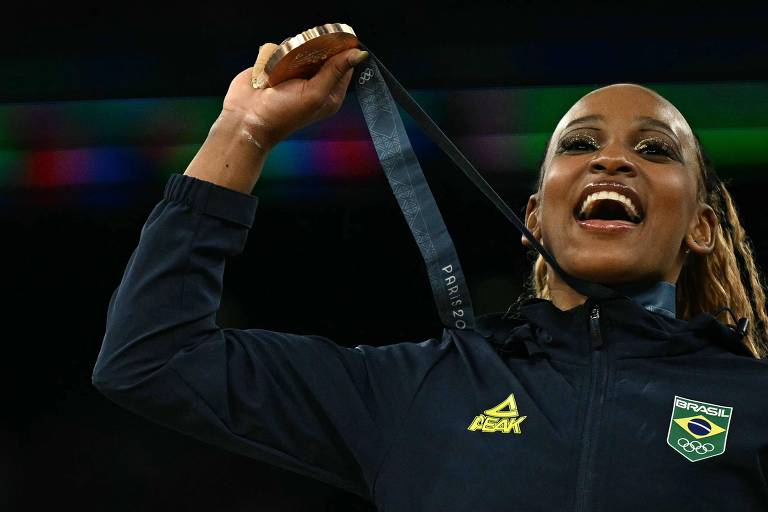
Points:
x=618, y=200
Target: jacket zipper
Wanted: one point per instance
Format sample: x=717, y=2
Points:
x=595, y=399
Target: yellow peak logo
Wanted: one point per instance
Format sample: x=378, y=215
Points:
x=501, y=418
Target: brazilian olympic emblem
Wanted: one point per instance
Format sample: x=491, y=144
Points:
x=698, y=430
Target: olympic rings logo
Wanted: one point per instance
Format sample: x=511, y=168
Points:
x=691, y=446
x=366, y=75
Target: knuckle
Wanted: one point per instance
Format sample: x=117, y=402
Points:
x=340, y=68
x=332, y=105
x=316, y=98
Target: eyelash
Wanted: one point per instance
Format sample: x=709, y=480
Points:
x=569, y=143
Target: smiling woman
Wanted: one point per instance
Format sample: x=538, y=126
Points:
x=627, y=194
x=596, y=403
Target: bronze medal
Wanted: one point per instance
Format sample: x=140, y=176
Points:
x=302, y=55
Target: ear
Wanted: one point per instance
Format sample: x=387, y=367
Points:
x=532, y=220
x=701, y=233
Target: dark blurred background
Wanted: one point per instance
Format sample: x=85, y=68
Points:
x=99, y=105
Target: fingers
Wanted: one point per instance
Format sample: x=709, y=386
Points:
x=336, y=68
x=258, y=76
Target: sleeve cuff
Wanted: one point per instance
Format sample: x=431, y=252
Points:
x=212, y=199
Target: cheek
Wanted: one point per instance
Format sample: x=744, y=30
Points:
x=671, y=203
x=556, y=194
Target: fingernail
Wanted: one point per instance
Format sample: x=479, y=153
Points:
x=261, y=81
x=358, y=57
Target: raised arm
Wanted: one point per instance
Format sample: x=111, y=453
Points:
x=300, y=402
x=253, y=121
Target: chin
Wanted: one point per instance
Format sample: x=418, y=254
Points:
x=606, y=269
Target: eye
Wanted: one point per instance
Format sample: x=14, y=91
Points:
x=577, y=143
x=655, y=147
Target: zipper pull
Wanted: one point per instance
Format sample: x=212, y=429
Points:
x=594, y=327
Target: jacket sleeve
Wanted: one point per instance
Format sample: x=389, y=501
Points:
x=297, y=401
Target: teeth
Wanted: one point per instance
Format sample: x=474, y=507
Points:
x=629, y=206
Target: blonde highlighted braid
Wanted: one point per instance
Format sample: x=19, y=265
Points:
x=728, y=279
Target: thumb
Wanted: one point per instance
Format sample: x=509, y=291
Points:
x=259, y=78
x=335, y=69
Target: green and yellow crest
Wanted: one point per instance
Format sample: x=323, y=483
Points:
x=698, y=430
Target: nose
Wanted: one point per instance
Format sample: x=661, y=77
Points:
x=612, y=160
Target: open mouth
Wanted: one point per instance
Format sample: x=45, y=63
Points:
x=608, y=205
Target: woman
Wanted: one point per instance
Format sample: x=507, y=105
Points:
x=638, y=402
x=676, y=181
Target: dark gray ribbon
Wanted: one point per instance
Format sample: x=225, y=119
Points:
x=414, y=196
x=375, y=87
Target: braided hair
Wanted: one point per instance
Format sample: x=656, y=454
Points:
x=725, y=281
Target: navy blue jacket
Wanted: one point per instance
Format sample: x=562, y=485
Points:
x=538, y=411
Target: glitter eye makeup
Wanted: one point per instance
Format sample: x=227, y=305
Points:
x=658, y=147
x=649, y=146
x=578, y=142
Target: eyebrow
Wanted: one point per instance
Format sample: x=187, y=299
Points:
x=585, y=119
x=655, y=123
x=648, y=121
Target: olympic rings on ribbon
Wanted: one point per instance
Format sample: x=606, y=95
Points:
x=690, y=446
x=366, y=75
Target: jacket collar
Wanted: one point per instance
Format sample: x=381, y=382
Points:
x=537, y=326
x=658, y=297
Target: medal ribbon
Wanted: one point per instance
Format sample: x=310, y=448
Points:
x=377, y=91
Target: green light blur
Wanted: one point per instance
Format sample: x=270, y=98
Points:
x=512, y=124
x=11, y=167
